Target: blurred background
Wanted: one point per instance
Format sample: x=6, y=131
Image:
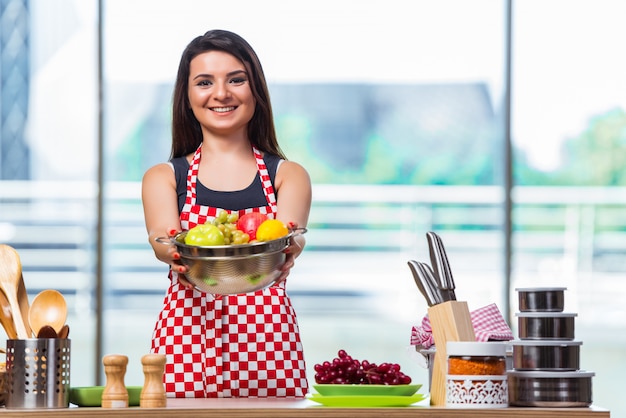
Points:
x=497, y=124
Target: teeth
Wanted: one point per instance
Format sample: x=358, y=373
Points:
x=223, y=109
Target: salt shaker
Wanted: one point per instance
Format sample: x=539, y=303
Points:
x=153, y=391
x=115, y=394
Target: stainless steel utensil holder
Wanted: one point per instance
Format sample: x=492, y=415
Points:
x=38, y=373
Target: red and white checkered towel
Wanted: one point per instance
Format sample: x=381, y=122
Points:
x=489, y=325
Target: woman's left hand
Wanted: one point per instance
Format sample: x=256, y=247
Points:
x=296, y=245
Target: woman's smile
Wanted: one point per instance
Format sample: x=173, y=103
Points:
x=223, y=109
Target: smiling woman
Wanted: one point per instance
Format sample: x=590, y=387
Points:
x=223, y=163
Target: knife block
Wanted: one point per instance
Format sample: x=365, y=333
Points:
x=450, y=321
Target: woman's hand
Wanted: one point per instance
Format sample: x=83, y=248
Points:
x=296, y=245
x=176, y=264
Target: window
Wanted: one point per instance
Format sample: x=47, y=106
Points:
x=396, y=108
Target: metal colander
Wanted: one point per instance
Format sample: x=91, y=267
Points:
x=232, y=269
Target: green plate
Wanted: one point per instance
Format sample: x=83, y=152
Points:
x=92, y=395
x=366, y=390
x=366, y=401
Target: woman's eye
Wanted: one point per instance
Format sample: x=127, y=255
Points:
x=204, y=83
x=238, y=80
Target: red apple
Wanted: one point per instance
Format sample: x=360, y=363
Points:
x=249, y=223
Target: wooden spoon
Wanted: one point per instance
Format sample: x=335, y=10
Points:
x=10, y=277
x=47, y=332
x=65, y=331
x=6, y=317
x=48, y=308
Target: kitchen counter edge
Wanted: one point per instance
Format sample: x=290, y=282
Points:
x=289, y=408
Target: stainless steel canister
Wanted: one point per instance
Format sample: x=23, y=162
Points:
x=546, y=325
x=38, y=373
x=541, y=299
x=550, y=389
x=546, y=355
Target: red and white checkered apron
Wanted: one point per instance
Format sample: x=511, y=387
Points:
x=245, y=345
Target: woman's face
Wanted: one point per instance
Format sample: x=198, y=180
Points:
x=219, y=93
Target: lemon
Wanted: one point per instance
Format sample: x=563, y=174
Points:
x=271, y=229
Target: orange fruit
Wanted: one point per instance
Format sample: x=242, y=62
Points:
x=271, y=229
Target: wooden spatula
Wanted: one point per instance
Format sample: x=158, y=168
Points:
x=10, y=278
x=22, y=300
x=6, y=317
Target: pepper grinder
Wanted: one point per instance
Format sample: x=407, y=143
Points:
x=153, y=391
x=115, y=394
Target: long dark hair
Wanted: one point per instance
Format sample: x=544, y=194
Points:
x=186, y=131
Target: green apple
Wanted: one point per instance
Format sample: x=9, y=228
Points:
x=204, y=235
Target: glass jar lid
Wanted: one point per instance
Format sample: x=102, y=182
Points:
x=476, y=348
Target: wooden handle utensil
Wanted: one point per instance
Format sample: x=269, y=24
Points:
x=10, y=282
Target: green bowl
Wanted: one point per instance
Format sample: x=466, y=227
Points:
x=92, y=395
x=366, y=390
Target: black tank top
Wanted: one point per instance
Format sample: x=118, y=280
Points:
x=251, y=196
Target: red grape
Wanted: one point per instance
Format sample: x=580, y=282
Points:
x=346, y=370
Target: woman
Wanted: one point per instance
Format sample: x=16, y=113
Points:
x=225, y=156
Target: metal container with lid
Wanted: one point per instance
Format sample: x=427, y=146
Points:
x=546, y=325
x=541, y=299
x=476, y=374
x=550, y=389
x=546, y=355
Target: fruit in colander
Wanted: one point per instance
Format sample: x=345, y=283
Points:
x=204, y=235
x=271, y=229
x=249, y=223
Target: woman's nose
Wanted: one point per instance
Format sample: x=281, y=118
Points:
x=221, y=91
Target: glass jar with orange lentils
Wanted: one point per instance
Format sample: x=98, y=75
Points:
x=476, y=375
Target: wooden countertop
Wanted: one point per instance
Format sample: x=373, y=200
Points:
x=289, y=408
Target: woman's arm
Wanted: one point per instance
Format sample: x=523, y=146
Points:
x=160, y=206
x=293, y=186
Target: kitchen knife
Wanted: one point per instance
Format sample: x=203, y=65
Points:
x=435, y=257
x=430, y=279
x=437, y=262
x=421, y=282
x=447, y=278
